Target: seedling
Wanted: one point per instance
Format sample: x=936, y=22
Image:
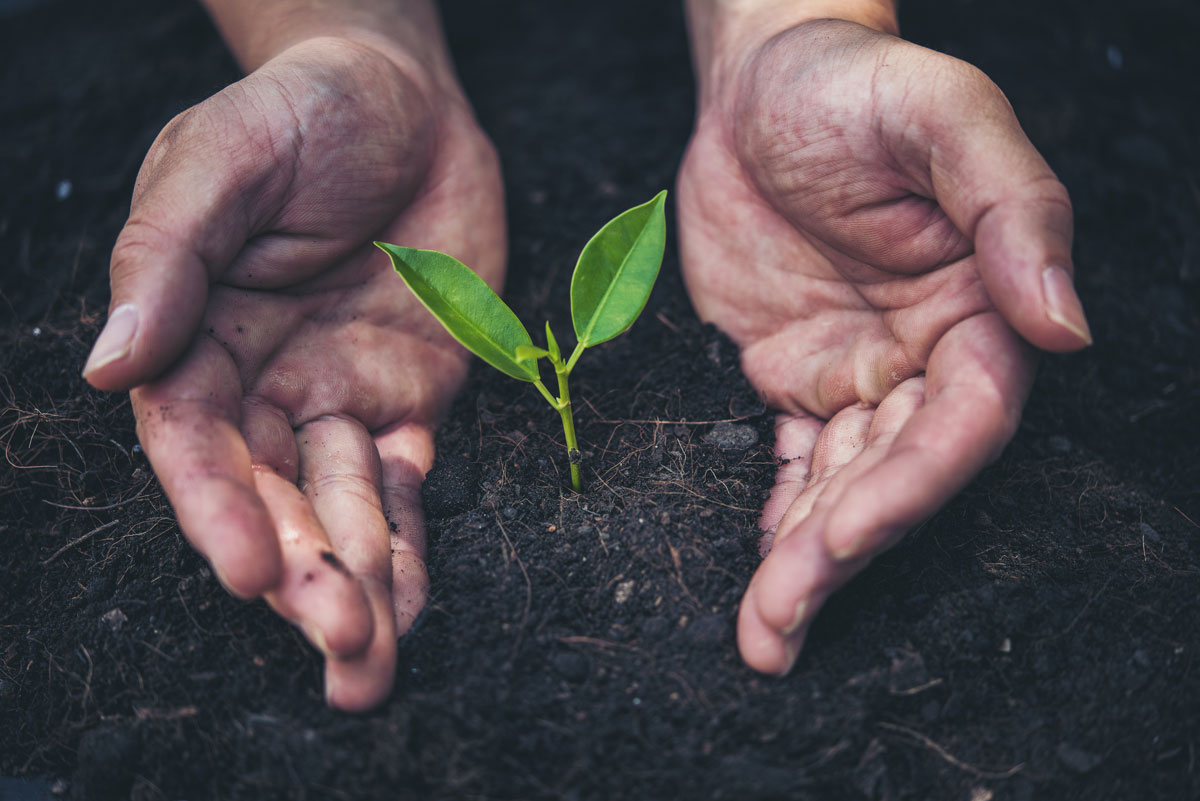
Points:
x=609, y=289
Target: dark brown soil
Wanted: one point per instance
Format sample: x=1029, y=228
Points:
x=1037, y=639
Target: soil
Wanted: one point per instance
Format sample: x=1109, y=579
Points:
x=1039, y=638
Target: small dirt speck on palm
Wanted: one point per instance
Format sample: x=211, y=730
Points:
x=583, y=646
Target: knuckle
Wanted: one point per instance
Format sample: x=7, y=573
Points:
x=139, y=239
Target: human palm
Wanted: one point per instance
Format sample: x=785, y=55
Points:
x=866, y=220
x=286, y=382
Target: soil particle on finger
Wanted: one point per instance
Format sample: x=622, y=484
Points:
x=523, y=676
x=330, y=558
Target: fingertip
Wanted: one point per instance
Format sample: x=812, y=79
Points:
x=350, y=690
x=364, y=682
x=229, y=526
x=112, y=346
x=252, y=577
x=331, y=609
x=347, y=632
x=1024, y=252
x=159, y=295
x=763, y=647
x=1065, y=310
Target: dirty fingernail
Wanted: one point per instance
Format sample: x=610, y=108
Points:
x=1062, y=304
x=116, y=340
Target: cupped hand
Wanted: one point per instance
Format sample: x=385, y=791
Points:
x=867, y=220
x=285, y=381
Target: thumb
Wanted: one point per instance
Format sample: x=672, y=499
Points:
x=188, y=220
x=994, y=185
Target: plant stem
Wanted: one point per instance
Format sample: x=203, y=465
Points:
x=562, y=405
x=550, y=399
x=568, y=421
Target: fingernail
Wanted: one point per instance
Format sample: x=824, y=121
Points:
x=797, y=617
x=315, y=636
x=328, y=688
x=1062, y=304
x=848, y=550
x=791, y=650
x=116, y=340
x=224, y=582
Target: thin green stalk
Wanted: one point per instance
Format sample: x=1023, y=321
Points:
x=550, y=399
x=568, y=421
x=562, y=405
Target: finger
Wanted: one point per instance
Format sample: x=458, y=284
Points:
x=799, y=574
x=994, y=185
x=406, y=454
x=364, y=681
x=977, y=381
x=840, y=440
x=917, y=457
x=341, y=476
x=192, y=212
x=317, y=591
x=187, y=422
x=795, y=438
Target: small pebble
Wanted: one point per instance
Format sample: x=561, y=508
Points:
x=1148, y=532
x=115, y=619
x=624, y=591
x=732, y=436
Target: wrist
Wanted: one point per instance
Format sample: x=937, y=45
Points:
x=406, y=32
x=724, y=34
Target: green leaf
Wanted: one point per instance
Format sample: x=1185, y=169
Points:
x=525, y=352
x=616, y=272
x=466, y=306
x=552, y=344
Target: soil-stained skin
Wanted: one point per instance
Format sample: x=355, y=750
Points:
x=330, y=558
x=1035, y=639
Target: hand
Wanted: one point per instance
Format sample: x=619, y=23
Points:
x=866, y=219
x=286, y=382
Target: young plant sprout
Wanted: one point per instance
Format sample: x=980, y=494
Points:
x=609, y=289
